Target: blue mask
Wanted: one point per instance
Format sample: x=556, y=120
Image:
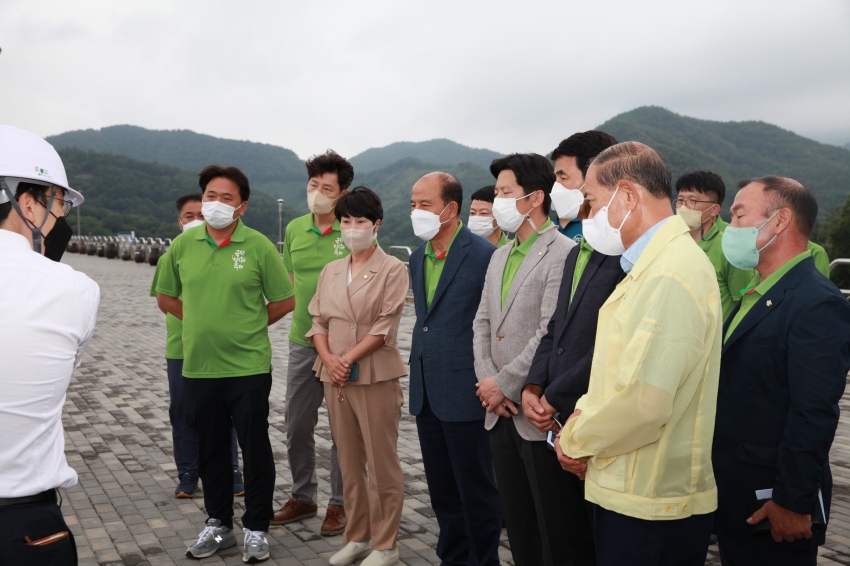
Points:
x=739, y=245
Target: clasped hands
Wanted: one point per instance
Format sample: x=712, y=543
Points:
x=493, y=399
x=338, y=369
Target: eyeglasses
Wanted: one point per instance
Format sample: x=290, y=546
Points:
x=691, y=202
x=66, y=205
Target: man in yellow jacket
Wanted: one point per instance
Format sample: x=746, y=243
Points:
x=641, y=436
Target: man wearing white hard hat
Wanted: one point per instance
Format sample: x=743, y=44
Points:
x=47, y=318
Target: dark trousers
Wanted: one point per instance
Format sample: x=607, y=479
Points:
x=182, y=432
x=36, y=521
x=459, y=470
x=215, y=405
x=544, y=507
x=736, y=553
x=637, y=542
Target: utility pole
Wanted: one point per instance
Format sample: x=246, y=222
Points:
x=280, y=225
x=79, y=231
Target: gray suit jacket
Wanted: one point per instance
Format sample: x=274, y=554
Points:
x=505, y=339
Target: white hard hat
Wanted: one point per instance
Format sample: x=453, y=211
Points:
x=25, y=157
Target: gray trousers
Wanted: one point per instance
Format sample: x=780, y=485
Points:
x=304, y=396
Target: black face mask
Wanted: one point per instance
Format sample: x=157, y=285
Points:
x=56, y=242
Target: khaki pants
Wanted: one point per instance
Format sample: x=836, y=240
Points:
x=365, y=427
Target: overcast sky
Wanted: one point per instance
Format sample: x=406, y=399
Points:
x=509, y=76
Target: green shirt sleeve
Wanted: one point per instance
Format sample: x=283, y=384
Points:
x=156, y=274
x=287, y=256
x=168, y=278
x=276, y=283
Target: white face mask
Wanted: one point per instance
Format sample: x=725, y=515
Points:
x=191, y=224
x=320, y=204
x=567, y=202
x=481, y=225
x=601, y=235
x=426, y=224
x=507, y=216
x=217, y=214
x=358, y=240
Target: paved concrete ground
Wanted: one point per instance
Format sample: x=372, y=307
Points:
x=118, y=439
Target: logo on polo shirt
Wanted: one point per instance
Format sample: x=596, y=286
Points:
x=238, y=258
x=339, y=247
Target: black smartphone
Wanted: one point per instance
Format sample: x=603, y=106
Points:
x=355, y=370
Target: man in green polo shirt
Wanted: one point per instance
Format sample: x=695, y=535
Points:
x=183, y=434
x=216, y=278
x=311, y=242
x=700, y=195
x=481, y=221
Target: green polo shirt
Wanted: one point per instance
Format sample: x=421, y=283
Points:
x=173, y=325
x=503, y=241
x=730, y=279
x=757, y=289
x=224, y=291
x=306, y=251
x=584, y=252
x=820, y=257
x=434, y=266
x=517, y=255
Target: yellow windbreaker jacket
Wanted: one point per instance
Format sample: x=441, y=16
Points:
x=647, y=419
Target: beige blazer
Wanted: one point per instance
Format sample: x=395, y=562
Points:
x=506, y=339
x=372, y=304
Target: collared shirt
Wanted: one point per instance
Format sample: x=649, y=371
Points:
x=647, y=420
x=503, y=241
x=306, y=251
x=434, y=266
x=224, y=291
x=173, y=325
x=584, y=252
x=516, y=257
x=820, y=257
x=730, y=279
x=47, y=318
x=572, y=230
x=758, y=288
x=632, y=254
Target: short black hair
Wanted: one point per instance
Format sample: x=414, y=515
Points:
x=451, y=190
x=37, y=190
x=635, y=162
x=584, y=146
x=487, y=194
x=361, y=202
x=783, y=192
x=331, y=162
x=191, y=197
x=211, y=172
x=703, y=182
x=533, y=173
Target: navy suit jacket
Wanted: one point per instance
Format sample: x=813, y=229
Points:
x=562, y=362
x=782, y=373
x=441, y=358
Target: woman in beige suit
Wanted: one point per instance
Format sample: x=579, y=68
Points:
x=356, y=313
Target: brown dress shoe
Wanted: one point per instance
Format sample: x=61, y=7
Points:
x=334, y=523
x=294, y=510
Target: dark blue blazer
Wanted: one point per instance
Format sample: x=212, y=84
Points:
x=441, y=357
x=561, y=365
x=782, y=373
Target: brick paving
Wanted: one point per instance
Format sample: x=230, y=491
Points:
x=118, y=438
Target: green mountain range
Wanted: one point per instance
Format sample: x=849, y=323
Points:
x=441, y=151
x=735, y=150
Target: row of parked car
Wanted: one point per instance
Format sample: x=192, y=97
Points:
x=128, y=247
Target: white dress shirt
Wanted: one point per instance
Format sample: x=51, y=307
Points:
x=47, y=317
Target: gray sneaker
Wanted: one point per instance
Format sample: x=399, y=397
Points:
x=256, y=546
x=213, y=538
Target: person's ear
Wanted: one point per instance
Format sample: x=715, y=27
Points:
x=377, y=224
x=242, y=208
x=632, y=194
x=784, y=219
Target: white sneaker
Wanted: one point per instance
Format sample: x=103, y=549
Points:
x=351, y=553
x=381, y=558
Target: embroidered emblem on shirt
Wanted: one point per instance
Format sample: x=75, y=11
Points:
x=238, y=259
x=339, y=247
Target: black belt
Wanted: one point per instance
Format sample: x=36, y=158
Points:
x=48, y=496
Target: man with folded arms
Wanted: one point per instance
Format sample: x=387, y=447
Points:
x=786, y=353
x=642, y=434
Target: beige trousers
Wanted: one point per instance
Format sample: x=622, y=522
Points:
x=365, y=429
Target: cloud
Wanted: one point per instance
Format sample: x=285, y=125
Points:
x=353, y=75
